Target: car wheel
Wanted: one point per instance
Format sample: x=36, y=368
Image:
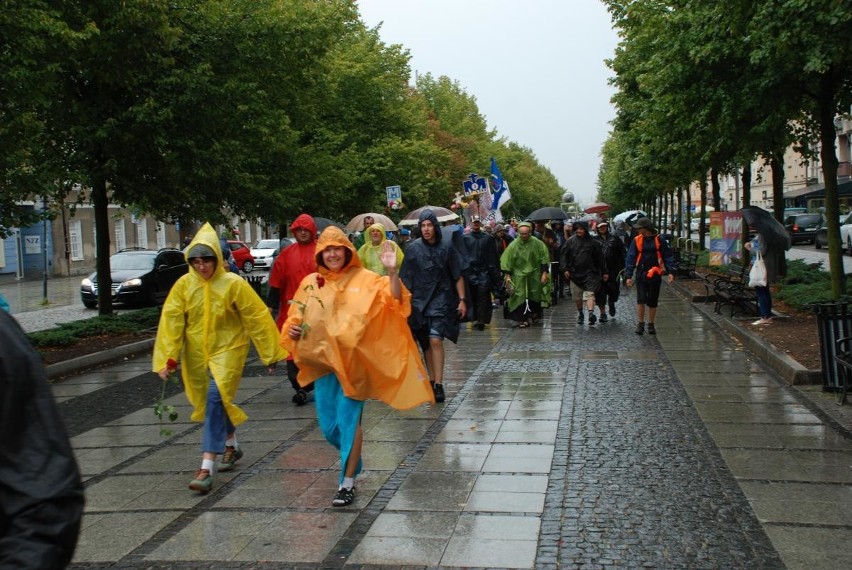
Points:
x=90, y=304
x=817, y=245
x=247, y=267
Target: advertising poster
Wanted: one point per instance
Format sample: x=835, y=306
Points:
x=726, y=232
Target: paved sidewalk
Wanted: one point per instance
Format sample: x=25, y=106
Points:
x=558, y=446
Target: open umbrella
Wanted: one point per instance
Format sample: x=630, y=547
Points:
x=629, y=216
x=356, y=224
x=547, y=213
x=323, y=223
x=443, y=215
x=597, y=208
x=764, y=223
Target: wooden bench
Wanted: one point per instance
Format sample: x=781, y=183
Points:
x=730, y=287
x=843, y=359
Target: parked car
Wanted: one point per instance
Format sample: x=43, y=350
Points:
x=241, y=253
x=821, y=237
x=140, y=277
x=266, y=250
x=803, y=227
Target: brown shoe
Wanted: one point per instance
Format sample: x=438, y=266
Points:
x=203, y=481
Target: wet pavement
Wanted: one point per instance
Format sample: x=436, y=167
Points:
x=561, y=445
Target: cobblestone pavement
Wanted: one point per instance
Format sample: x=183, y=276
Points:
x=559, y=446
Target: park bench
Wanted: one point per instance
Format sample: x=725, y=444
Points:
x=730, y=287
x=843, y=359
x=685, y=262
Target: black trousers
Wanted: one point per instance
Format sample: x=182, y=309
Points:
x=480, y=298
x=292, y=373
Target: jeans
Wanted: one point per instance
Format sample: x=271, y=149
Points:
x=217, y=425
x=764, y=301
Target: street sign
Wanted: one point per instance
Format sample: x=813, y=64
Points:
x=394, y=193
x=475, y=185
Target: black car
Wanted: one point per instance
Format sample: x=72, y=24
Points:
x=821, y=237
x=803, y=227
x=140, y=277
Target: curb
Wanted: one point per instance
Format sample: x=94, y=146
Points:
x=98, y=358
x=787, y=368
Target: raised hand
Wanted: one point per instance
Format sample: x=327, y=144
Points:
x=388, y=256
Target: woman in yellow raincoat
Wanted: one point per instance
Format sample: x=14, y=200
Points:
x=370, y=253
x=348, y=332
x=206, y=323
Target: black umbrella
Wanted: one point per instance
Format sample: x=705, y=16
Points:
x=546, y=214
x=764, y=223
x=323, y=223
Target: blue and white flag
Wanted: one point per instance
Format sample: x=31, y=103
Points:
x=500, y=190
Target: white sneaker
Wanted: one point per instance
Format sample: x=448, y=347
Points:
x=762, y=322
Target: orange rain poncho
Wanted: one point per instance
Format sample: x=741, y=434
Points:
x=353, y=327
x=206, y=325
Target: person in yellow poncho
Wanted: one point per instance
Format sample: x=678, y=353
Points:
x=370, y=253
x=348, y=332
x=206, y=323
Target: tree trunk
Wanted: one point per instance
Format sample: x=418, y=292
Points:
x=100, y=202
x=777, y=164
x=828, y=155
x=717, y=190
x=746, y=181
x=702, y=228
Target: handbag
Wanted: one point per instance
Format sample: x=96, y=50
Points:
x=757, y=274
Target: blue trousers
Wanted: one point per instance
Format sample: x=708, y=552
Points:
x=338, y=416
x=217, y=425
x=764, y=301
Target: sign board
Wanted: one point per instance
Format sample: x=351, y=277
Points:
x=394, y=193
x=475, y=185
x=32, y=244
x=725, y=237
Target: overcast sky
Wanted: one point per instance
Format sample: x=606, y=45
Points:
x=535, y=67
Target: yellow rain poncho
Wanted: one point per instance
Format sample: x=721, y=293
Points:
x=370, y=255
x=207, y=324
x=353, y=327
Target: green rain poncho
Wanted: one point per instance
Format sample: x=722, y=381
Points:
x=524, y=259
x=207, y=325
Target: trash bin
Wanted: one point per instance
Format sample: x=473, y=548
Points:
x=256, y=282
x=834, y=321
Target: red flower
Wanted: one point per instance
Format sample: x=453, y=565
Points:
x=171, y=364
x=320, y=281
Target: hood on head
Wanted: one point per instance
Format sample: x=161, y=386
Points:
x=368, y=233
x=207, y=238
x=306, y=222
x=428, y=214
x=334, y=236
x=582, y=224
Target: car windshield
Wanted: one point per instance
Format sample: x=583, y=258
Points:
x=130, y=262
x=266, y=244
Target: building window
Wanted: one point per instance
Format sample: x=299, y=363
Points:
x=142, y=232
x=120, y=241
x=764, y=194
x=75, y=237
x=161, y=235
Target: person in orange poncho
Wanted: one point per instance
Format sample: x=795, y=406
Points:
x=347, y=330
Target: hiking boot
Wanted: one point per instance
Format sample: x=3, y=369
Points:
x=612, y=310
x=640, y=328
x=592, y=319
x=344, y=496
x=300, y=398
x=603, y=318
x=232, y=455
x=203, y=481
x=581, y=318
x=651, y=329
x=439, y=392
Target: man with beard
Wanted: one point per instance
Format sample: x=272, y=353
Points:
x=583, y=266
x=291, y=266
x=525, y=265
x=432, y=271
x=614, y=255
x=483, y=274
